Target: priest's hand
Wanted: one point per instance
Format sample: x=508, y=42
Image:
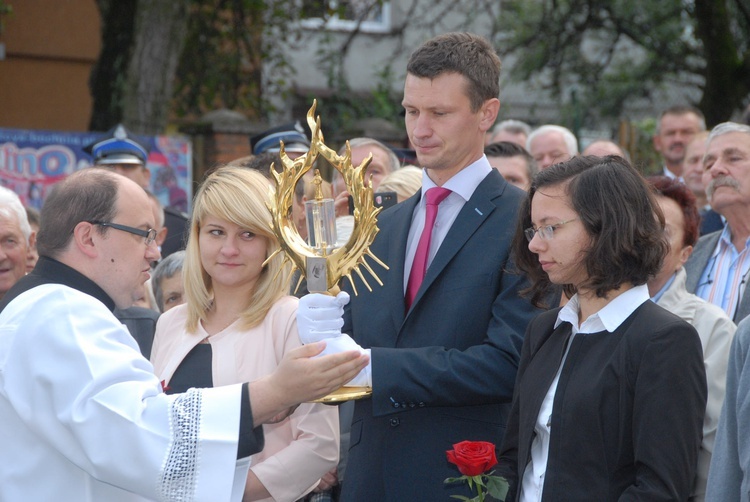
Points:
x=343, y=343
x=302, y=377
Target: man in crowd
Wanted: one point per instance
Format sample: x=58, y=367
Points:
x=604, y=147
x=120, y=151
x=512, y=160
x=676, y=127
x=692, y=175
x=719, y=267
x=292, y=134
x=445, y=329
x=513, y=131
x=550, y=144
x=16, y=239
x=384, y=162
x=82, y=415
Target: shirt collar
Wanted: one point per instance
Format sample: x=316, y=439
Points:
x=610, y=317
x=725, y=239
x=464, y=182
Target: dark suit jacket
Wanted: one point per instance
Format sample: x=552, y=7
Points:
x=178, y=229
x=443, y=372
x=698, y=262
x=628, y=412
x=141, y=323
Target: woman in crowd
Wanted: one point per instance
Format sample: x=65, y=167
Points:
x=238, y=323
x=166, y=282
x=611, y=388
x=715, y=328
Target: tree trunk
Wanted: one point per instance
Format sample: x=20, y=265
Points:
x=107, y=75
x=727, y=81
x=160, y=34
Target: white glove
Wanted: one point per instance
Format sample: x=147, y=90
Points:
x=344, y=343
x=320, y=316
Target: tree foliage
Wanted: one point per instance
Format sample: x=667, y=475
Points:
x=231, y=54
x=615, y=51
x=221, y=66
x=164, y=59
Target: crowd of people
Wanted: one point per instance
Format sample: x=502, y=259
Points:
x=586, y=320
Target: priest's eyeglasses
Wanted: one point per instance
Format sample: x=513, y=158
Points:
x=546, y=232
x=149, y=234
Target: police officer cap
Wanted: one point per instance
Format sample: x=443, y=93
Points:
x=291, y=134
x=117, y=147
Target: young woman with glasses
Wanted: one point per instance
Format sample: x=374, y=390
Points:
x=611, y=388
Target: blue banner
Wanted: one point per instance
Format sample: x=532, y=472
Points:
x=32, y=161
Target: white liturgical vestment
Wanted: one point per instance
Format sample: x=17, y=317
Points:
x=83, y=418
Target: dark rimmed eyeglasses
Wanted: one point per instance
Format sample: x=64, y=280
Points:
x=546, y=232
x=149, y=234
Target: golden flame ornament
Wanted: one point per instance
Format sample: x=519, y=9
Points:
x=337, y=262
x=323, y=264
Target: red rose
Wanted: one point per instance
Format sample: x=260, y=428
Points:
x=472, y=457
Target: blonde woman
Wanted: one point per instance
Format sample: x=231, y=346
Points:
x=236, y=326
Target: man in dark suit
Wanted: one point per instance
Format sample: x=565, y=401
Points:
x=718, y=269
x=444, y=347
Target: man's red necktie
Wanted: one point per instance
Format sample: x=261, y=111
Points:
x=433, y=197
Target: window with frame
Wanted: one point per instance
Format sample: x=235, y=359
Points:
x=369, y=16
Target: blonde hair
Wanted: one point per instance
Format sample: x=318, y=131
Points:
x=238, y=195
x=405, y=182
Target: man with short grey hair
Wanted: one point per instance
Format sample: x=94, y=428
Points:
x=384, y=162
x=719, y=267
x=551, y=144
x=16, y=238
x=513, y=131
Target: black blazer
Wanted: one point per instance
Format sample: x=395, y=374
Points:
x=628, y=411
x=443, y=372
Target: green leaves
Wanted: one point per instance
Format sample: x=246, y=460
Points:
x=619, y=51
x=486, y=484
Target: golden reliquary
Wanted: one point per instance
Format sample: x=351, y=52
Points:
x=318, y=259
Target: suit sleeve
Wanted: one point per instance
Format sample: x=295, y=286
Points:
x=508, y=453
x=465, y=328
x=730, y=462
x=435, y=375
x=669, y=403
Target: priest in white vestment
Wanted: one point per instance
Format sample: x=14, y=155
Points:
x=82, y=416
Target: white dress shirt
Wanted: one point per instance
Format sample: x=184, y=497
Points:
x=462, y=186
